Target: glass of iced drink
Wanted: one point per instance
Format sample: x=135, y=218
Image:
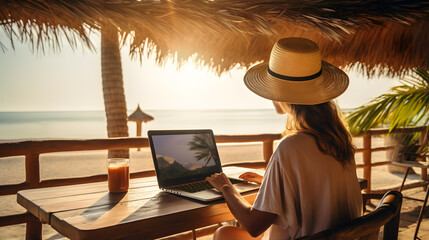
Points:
x=118, y=174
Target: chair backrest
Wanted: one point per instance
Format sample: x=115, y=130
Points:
x=368, y=226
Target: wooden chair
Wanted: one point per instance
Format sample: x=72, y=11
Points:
x=409, y=165
x=386, y=214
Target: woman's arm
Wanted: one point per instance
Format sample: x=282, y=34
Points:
x=254, y=221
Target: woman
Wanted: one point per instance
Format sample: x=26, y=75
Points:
x=310, y=183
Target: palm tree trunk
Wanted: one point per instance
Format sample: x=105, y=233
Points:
x=113, y=88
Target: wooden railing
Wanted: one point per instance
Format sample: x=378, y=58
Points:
x=32, y=150
x=367, y=151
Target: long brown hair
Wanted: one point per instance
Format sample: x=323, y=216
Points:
x=325, y=123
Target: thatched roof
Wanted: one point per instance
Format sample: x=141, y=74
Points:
x=139, y=116
x=226, y=33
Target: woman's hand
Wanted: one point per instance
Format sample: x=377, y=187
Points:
x=218, y=181
x=251, y=177
x=254, y=221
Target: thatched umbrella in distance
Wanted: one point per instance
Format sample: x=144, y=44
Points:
x=222, y=34
x=139, y=117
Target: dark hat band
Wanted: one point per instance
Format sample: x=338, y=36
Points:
x=306, y=78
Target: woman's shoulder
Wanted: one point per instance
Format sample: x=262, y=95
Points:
x=293, y=145
x=296, y=139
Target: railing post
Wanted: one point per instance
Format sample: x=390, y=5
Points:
x=367, y=160
x=139, y=130
x=423, y=140
x=268, y=150
x=32, y=169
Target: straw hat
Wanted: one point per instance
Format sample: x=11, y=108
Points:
x=296, y=74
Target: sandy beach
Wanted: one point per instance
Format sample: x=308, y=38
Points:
x=87, y=163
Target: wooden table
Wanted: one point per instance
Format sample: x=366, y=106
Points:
x=89, y=211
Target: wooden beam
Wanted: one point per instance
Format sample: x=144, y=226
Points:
x=268, y=147
x=367, y=160
x=14, y=188
x=32, y=169
x=247, y=138
x=47, y=146
x=13, y=219
x=382, y=131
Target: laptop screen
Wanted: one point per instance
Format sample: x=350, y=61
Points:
x=182, y=156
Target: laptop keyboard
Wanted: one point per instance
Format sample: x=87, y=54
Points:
x=199, y=186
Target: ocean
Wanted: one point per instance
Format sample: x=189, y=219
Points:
x=92, y=124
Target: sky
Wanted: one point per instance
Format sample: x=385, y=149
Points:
x=70, y=80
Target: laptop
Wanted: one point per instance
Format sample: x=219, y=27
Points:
x=184, y=158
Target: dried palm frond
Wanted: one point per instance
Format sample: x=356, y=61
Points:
x=224, y=33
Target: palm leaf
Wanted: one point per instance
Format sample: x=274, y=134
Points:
x=204, y=148
x=404, y=105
